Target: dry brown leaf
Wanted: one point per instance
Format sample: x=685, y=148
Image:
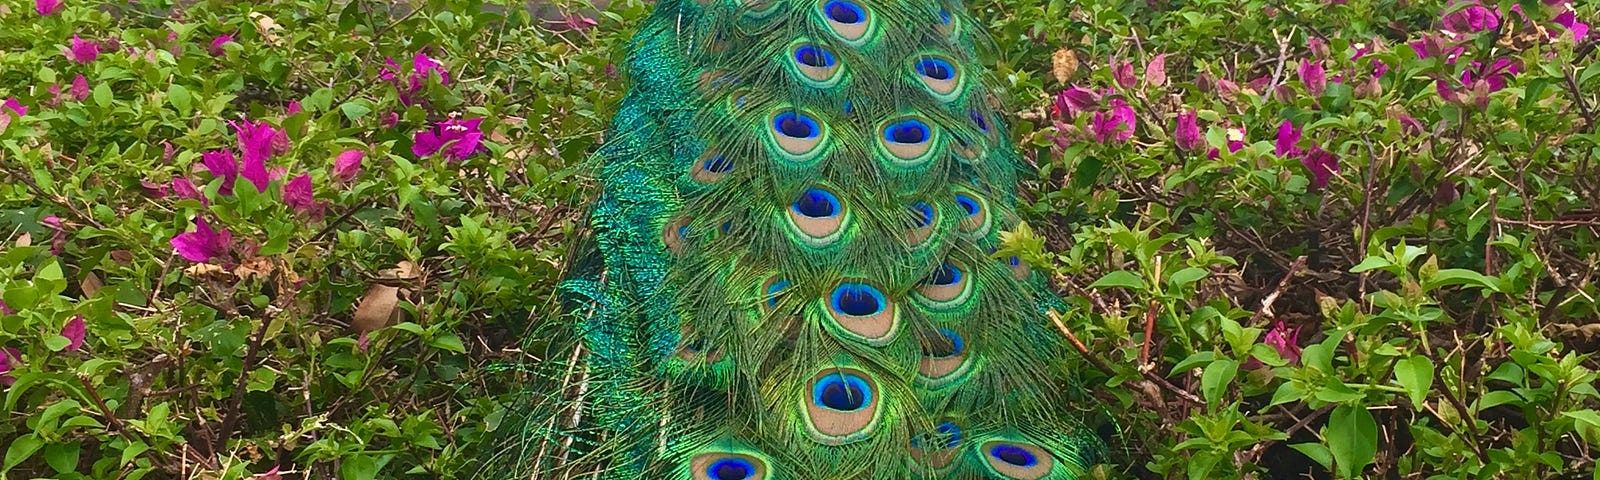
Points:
x=376, y=308
x=205, y=269
x=405, y=270
x=253, y=267
x=24, y=240
x=1063, y=64
x=91, y=283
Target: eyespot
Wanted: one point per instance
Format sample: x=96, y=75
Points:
x=842, y=406
x=908, y=139
x=936, y=449
x=922, y=219
x=976, y=220
x=1013, y=455
x=675, y=235
x=849, y=20
x=1016, y=460
x=775, y=286
x=818, y=216
x=944, y=359
x=796, y=133
x=710, y=167
x=727, y=466
x=862, y=312
x=978, y=120
x=816, y=64
x=1019, y=268
x=942, y=77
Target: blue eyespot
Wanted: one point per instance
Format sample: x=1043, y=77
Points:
x=936, y=68
x=947, y=274
x=817, y=203
x=858, y=300
x=845, y=12
x=951, y=346
x=1013, y=455
x=794, y=124
x=909, y=130
x=944, y=16
x=683, y=231
x=979, y=120
x=841, y=391
x=968, y=204
x=947, y=435
x=717, y=164
x=773, y=289
x=922, y=213
x=1015, y=261
x=731, y=469
x=814, y=56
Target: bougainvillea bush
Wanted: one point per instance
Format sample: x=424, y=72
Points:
x=1335, y=238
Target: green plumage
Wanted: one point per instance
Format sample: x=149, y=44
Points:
x=791, y=273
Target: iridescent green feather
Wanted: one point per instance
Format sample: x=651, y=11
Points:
x=791, y=276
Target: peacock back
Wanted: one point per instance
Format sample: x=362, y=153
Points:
x=792, y=269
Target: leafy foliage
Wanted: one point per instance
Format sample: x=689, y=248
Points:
x=1386, y=269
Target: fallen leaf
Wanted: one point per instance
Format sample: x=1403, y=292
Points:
x=377, y=308
x=24, y=240
x=91, y=283
x=253, y=267
x=1063, y=64
x=205, y=269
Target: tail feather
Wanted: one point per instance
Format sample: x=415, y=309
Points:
x=800, y=204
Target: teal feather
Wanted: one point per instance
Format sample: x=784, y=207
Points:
x=790, y=272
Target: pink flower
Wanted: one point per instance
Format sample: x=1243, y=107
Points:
x=183, y=188
x=1073, y=100
x=1116, y=124
x=1314, y=77
x=47, y=7
x=298, y=194
x=1155, y=73
x=1322, y=164
x=575, y=22
x=1569, y=21
x=1288, y=140
x=458, y=138
x=80, y=88
x=153, y=189
x=294, y=107
x=217, y=43
x=1123, y=74
x=58, y=240
x=10, y=359
x=203, y=245
x=1475, y=18
x=1187, y=134
x=347, y=165
x=16, y=108
x=1496, y=75
x=81, y=51
x=256, y=141
x=222, y=165
x=75, y=331
x=389, y=120
x=423, y=68
x=1285, y=341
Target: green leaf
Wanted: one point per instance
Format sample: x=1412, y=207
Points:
x=354, y=111
x=1416, y=375
x=102, y=94
x=358, y=467
x=1371, y=263
x=21, y=448
x=448, y=342
x=1187, y=276
x=180, y=99
x=57, y=343
x=1352, y=437
x=1587, y=424
x=63, y=457
x=1216, y=378
x=1120, y=278
x=1316, y=451
x=1458, y=276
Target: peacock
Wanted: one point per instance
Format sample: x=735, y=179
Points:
x=792, y=267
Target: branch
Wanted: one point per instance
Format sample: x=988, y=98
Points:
x=1272, y=298
x=1100, y=364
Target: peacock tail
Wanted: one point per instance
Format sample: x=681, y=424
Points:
x=792, y=269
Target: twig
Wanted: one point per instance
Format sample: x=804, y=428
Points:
x=1272, y=298
x=236, y=402
x=1149, y=333
x=1100, y=364
x=57, y=199
x=1577, y=97
x=335, y=223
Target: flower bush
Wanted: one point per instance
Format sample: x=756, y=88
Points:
x=1336, y=238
